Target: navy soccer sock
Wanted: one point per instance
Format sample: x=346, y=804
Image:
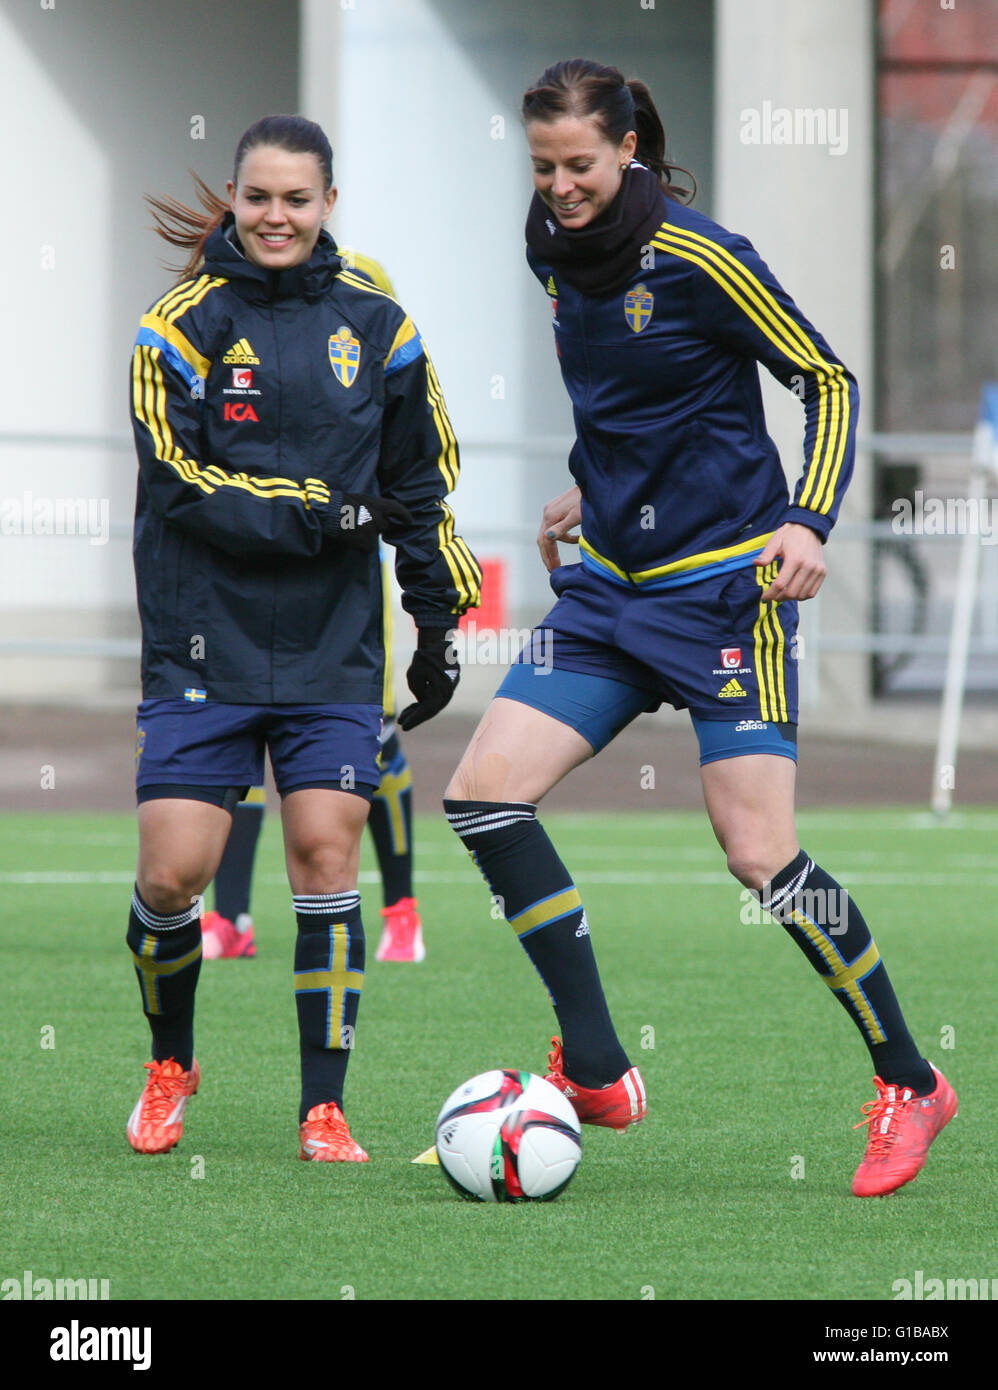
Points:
x=542, y=905
x=166, y=951
x=390, y=823
x=829, y=928
x=329, y=976
x=235, y=873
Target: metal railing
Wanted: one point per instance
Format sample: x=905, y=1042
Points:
x=877, y=534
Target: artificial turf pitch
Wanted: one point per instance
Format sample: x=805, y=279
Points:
x=736, y=1186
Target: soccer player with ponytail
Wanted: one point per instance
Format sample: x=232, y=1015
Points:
x=693, y=560
x=286, y=415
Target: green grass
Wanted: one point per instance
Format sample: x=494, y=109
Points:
x=748, y=1061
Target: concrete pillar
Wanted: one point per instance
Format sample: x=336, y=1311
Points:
x=808, y=207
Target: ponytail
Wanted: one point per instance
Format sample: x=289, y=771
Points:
x=185, y=227
x=651, y=143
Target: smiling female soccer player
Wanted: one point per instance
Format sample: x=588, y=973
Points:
x=285, y=413
x=693, y=560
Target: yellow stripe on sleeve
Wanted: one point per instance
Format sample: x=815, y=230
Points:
x=448, y=461
x=789, y=337
x=149, y=398
x=171, y=334
x=406, y=333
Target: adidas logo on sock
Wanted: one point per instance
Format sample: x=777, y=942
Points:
x=583, y=928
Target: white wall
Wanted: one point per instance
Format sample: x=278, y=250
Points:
x=99, y=102
x=53, y=359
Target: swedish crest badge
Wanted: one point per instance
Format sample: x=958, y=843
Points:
x=638, y=304
x=344, y=355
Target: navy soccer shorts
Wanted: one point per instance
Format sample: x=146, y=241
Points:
x=604, y=654
x=211, y=751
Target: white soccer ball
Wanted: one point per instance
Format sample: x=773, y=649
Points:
x=508, y=1136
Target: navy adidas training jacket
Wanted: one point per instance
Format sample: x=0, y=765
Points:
x=679, y=477
x=258, y=399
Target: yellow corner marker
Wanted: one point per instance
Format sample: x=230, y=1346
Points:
x=430, y=1156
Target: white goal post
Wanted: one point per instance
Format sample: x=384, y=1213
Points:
x=983, y=478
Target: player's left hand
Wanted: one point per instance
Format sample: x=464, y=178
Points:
x=802, y=564
x=432, y=676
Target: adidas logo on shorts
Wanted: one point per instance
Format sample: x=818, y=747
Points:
x=732, y=691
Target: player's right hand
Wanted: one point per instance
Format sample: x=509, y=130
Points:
x=361, y=519
x=560, y=515
x=432, y=677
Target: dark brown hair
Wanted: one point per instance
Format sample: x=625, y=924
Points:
x=580, y=87
x=189, y=229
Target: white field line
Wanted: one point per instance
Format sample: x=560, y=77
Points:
x=639, y=879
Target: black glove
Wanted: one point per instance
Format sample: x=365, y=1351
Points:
x=360, y=520
x=432, y=676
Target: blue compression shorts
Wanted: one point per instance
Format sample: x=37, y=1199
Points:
x=604, y=654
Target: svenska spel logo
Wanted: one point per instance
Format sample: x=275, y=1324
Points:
x=731, y=658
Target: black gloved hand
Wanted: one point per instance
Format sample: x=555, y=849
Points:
x=432, y=676
x=360, y=520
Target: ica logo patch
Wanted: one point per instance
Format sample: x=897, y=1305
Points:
x=344, y=355
x=638, y=305
x=239, y=410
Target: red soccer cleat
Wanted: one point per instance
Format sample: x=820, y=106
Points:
x=902, y=1126
x=402, y=938
x=617, y=1106
x=223, y=940
x=326, y=1138
x=156, y=1123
